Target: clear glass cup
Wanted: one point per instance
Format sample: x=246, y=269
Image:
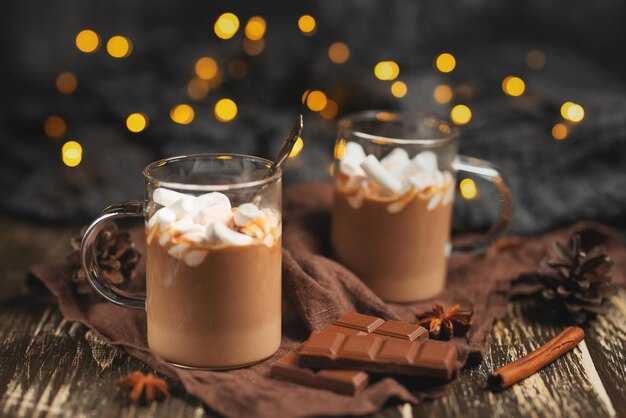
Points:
x=392, y=210
x=213, y=292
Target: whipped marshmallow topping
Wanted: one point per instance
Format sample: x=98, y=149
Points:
x=395, y=177
x=185, y=221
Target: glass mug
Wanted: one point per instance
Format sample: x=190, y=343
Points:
x=213, y=259
x=394, y=185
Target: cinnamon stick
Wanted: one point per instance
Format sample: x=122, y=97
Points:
x=535, y=361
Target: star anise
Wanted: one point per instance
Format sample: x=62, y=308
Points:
x=443, y=324
x=145, y=387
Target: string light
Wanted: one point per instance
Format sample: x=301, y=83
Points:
x=119, y=47
x=71, y=153
x=253, y=48
x=136, y=122
x=398, y=89
x=206, y=68
x=572, y=111
x=468, y=189
x=387, y=70
x=255, y=28
x=66, y=83
x=340, y=149
x=197, y=89
x=87, y=41
x=297, y=148
x=445, y=62
x=338, y=52
x=226, y=26
x=513, y=86
x=559, y=131
x=443, y=94
x=461, y=114
x=225, y=110
x=307, y=24
x=536, y=59
x=330, y=110
x=182, y=114
x=55, y=126
x=316, y=100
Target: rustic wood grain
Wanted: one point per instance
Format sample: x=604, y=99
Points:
x=54, y=368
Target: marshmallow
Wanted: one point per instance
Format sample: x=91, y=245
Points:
x=259, y=226
x=178, y=250
x=351, y=168
x=185, y=228
x=434, y=201
x=272, y=216
x=210, y=199
x=183, y=207
x=397, y=158
x=194, y=258
x=355, y=201
x=377, y=172
x=354, y=152
x=246, y=213
x=195, y=236
x=448, y=194
x=165, y=238
x=164, y=217
x=438, y=179
x=419, y=181
x=166, y=197
x=268, y=241
x=427, y=161
x=218, y=212
x=227, y=236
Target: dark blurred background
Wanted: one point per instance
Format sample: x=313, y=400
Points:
x=557, y=130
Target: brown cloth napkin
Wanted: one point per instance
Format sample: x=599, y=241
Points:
x=317, y=290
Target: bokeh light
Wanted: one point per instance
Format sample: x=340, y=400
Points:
x=182, y=114
x=206, y=68
x=225, y=110
x=55, y=126
x=119, y=47
x=226, y=26
x=255, y=28
x=307, y=24
x=316, y=100
x=253, y=48
x=87, y=41
x=461, y=114
x=398, y=89
x=572, y=111
x=559, y=131
x=536, y=59
x=445, y=62
x=340, y=149
x=330, y=110
x=443, y=94
x=66, y=83
x=338, y=53
x=468, y=189
x=297, y=148
x=71, y=153
x=513, y=86
x=197, y=89
x=387, y=70
x=136, y=122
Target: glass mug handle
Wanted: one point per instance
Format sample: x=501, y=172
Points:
x=487, y=171
x=134, y=208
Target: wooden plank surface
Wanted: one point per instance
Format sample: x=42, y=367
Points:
x=53, y=368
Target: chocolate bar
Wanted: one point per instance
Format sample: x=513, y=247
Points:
x=371, y=353
x=349, y=382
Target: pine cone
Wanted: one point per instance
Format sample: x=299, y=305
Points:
x=575, y=281
x=116, y=255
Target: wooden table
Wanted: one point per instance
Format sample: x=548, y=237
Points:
x=54, y=368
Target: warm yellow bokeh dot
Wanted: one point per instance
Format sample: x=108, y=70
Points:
x=307, y=24
x=253, y=48
x=559, y=131
x=445, y=62
x=72, y=145
x=443, y=94
x=340, y=149
x=55, y=126
x=316, y=100
x=206, y=68
x=572, y=111
x=255, y=28
x=468, y=189
x=226, y=26
x=182, y=114
x=513, y=86
x=330, y=110
x=87, y=41
x=136, y=122
x=225, y=110
x=66, y=82
x=119, y=47
x=387, y=70
x=72, y=153
x=197, y=89
x=338, y=52
x=398, y=89
x=536, y=59
x=297, y=147
x=461, y=114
